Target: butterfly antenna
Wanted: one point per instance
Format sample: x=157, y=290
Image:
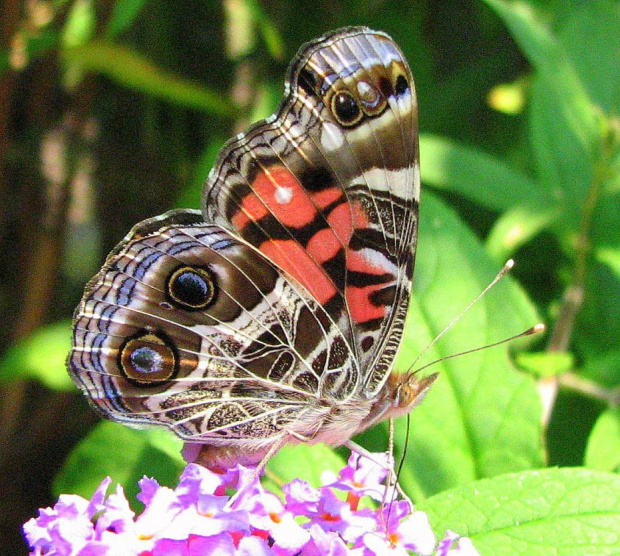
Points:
x=506, y=268
x=537, y=328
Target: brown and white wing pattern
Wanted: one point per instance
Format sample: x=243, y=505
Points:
x=275, y=314
x=190, y=327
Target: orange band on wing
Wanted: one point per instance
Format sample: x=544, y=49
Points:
x=360, y=306
x=294, y=259
x=323, y=245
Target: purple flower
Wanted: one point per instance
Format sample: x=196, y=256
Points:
x=362, y=476
x=197, y=517
x=404, y=532
x=455, y=545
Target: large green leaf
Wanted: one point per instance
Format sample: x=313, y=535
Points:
x=480, y=177
x=552, y=511
x=482, y=417
x=124, y=454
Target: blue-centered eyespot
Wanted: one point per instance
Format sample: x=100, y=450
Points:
x=148, y=359
x=191, y=288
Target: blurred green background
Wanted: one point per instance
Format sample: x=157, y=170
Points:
x=114, y=111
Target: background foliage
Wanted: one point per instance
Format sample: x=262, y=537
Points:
x=113, y=111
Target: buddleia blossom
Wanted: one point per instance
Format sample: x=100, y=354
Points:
x=198, y=518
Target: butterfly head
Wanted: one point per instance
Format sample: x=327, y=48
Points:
x=407, y=391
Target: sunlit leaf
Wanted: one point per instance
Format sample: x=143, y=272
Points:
x=517, y=226
x=482, y=178
x=603, y=451
x=481, y=417
x=546, y=363
x=552, y=511
x=41, y=356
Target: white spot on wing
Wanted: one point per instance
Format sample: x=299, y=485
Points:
x=283, y=195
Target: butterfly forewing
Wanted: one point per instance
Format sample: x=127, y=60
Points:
x=329, y=188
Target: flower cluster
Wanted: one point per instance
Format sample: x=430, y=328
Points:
x=198, y=518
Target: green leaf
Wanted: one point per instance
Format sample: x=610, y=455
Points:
x=482, y=178
x=124, y=454
x=611, y=258
x=589, y=34
x=80, y=24
x=603, y=451
x=554, y=67
x=603, y=367
x=517, y=226
x=552, y=511
x=132, y=70
x=271, y=35
x=546, y=363
x=41, y=356
x=240, y=36
x=124, y=13
x=563, y=167
x=481, y=417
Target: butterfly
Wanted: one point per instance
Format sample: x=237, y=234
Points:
x=275, y=313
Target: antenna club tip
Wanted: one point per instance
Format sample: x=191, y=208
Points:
x=536, y=329
x=509, y=264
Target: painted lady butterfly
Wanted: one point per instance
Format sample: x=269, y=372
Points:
x=275, y=314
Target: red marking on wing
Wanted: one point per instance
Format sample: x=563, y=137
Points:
x=326, y=243
x=326, y=197
x=361, y=308
x=277, y=191
x=295, y=260
x=341, y=222
x=323, y=245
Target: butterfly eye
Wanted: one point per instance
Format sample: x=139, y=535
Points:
x=148, y=360
x=191, y=288
x=346, y=109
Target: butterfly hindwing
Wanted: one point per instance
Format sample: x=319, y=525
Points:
x=188, y=326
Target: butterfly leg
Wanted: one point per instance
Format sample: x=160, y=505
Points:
x=354, y=447
x=273, y=449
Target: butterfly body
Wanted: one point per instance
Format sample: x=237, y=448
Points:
x=274, y=314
